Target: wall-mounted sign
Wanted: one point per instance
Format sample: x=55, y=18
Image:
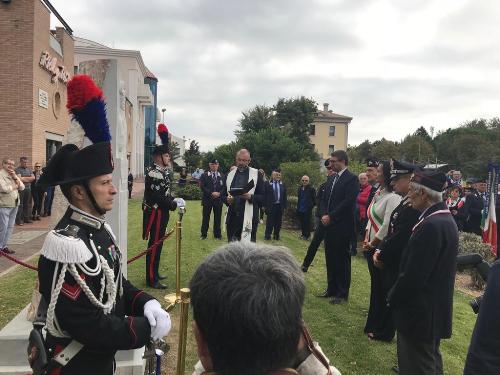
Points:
x=43, y=98
x=58, y=72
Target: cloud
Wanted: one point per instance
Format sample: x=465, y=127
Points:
x=392, y=65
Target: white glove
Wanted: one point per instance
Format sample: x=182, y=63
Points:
x=180, y=202
x=159, y=319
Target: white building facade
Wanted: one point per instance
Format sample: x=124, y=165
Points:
x=131, y=73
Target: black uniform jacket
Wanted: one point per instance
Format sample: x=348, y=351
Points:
x=484, y=350
x=237, y=208
x=309, y=196
x=340, y=201
x=473, y=208
x=403, y=219
x=422, y=297
x=320, y=204
x=269, y=195
x=157, y=191
x=102, y=335
x=210, y=185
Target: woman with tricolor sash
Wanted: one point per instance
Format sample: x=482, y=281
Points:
x=379, y=214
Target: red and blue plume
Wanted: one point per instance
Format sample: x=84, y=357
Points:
x=87, y=106
x=163, y=133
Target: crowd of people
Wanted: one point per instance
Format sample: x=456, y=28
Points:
x=22, y=200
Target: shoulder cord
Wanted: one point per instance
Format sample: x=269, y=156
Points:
x=110, y=287
x=86, y=269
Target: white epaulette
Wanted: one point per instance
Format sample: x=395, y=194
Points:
x=64, y=249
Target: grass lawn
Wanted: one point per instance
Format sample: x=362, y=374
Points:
x=339, y=329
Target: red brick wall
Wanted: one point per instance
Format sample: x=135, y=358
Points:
x=24, y=35
x=16, y=78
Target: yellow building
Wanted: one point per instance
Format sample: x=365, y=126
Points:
x=328, y=132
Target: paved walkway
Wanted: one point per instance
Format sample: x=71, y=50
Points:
x=27, y=240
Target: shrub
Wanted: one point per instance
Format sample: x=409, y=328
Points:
x=292, y=172
x=290, y=213
x=188, y=192
x=469, y=243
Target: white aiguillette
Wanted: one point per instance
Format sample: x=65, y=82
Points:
x=65, y=246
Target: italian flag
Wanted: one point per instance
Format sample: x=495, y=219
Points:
x=490, y=224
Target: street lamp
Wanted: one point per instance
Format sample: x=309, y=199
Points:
x=163, y=115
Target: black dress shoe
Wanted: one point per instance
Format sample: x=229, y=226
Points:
x=162, y=277
x=395, y=369
x=338, y=301
x=158, y=285
x=218, y=238
x=304, y=269
x=325, y=294
x=267, y=238
x=276, y=238
x=203, y=237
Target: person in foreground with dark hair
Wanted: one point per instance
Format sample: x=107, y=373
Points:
x=422, y=297
x=247, y=310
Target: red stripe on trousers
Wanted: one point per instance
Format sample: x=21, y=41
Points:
x=153, y=250
x=150, y=222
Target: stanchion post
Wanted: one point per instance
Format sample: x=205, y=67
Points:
x=181, y=355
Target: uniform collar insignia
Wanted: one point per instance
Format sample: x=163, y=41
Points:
x=85, y=218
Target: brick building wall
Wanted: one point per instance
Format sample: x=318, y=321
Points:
x=16, y=78
x=24, y=125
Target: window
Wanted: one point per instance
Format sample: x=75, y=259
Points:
x=331, y=148
x=312, y=129
x=51, y=146
x=331, y=133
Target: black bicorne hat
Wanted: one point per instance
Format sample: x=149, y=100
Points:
x=70, y=164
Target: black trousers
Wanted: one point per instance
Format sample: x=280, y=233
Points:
x=37, y=194
x=318, y=236
x=338, y=262
x=24, y=210
x=305, y=222
x=418, y=356
x=234, y=228
x=154, y=227
x=205, y=222
x=379, y=320
x=274, y=219
x=47, y=203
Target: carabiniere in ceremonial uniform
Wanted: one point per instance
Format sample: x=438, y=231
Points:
x=91, y=309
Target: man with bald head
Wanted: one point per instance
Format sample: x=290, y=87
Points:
x=243, y=193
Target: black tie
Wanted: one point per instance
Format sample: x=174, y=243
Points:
x=331, y=190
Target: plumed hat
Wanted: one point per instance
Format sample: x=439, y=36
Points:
x=69, y=163
x=372, y=162
x=164, y=137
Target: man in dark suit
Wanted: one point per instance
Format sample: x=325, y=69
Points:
x=243, y=207
x=422, y=297
x=305, y=203
x=319, y=231
x=339, y=200
x=473, y=207
x=211, y=187
x=275, y=205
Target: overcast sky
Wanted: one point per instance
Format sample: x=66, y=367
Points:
x=392, y=65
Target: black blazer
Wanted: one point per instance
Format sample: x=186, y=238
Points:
x=309, y=196
x=484, y=350
x=340, y=201
x=403, y=219
x=207, y=187
x=473, y=208
x=422, y=297
x=269, y=198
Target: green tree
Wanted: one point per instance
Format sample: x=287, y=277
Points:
x=416, y=149
x=256, y=119
x=385, y=149
x=192, y=156
x=294, y=116
x=271, y=147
